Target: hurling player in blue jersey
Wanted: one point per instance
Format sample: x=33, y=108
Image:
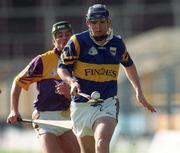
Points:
x=48, y=104
x=90, y=62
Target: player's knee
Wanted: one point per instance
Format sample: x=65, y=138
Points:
x=102, y=143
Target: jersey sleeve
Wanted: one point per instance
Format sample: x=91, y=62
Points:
x=125, y=58
x=33, y=72
x=70, y=54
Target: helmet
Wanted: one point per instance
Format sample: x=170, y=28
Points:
x=97, y=11
x=61, y=26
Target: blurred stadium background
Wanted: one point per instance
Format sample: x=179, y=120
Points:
x=151, y=29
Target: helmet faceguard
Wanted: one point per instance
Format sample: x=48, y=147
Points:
x=99, y=12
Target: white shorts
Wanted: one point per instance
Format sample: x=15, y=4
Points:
x=84, y=115
x=50, y=115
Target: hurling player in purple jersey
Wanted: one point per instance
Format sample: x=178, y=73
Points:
x=90, y=62
x=48, y=104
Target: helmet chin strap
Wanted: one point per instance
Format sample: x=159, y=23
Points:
x=104, y=38
x=100, y=38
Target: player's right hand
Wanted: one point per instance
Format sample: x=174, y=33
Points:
x=63, y=89
x=75, y=88
x=13, y=117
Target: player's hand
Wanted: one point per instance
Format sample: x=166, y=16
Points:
x=13, y=117
x=75, y=88
x=144, y=102
x=63, y=89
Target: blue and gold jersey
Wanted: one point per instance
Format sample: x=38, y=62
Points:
x=43, y=71
x=95, y=67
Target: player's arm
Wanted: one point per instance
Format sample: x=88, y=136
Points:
x=67, y=78
x=31, y=73
x=14, y=103
x=68, y=58
x=133, y=77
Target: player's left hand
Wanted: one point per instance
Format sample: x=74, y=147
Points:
x=144, y=102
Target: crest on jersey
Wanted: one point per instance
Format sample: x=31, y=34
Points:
x=93, y=51
x=113, y=50
x=53, y=72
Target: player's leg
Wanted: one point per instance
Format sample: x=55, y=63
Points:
x=87, y=144
x=48, y=134
x=68, y=142
x=103, y=131
x=49, y=143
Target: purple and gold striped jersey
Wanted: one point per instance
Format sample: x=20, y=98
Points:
x=96, y=67
x=43, y=70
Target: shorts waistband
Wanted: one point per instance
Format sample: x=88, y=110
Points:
x=86, y=104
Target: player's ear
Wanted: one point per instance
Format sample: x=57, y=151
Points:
x=53, y=41
x=87, y=23
x=109, y=21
